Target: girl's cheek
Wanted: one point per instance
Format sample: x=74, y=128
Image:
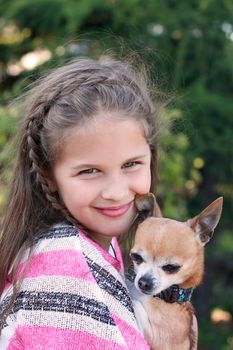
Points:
x=143, y=183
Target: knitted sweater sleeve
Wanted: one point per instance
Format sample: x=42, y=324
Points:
x=69, y=301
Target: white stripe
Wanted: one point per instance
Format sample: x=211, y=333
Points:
x=71, y=322
x=54, y=244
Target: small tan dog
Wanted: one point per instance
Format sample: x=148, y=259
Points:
x=168, y=255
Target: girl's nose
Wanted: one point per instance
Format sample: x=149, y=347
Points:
x=115, y=188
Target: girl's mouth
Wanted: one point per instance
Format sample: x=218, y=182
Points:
x=114, y=212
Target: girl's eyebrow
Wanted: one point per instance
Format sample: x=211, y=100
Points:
x=84, y=166
x=136, y=158
x=89, y=165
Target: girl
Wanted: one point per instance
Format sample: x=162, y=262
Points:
x=87, y=147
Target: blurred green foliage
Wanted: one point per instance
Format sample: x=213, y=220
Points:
x=215, y=337
x=187, y=47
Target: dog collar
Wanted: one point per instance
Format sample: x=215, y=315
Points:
x=175, y=294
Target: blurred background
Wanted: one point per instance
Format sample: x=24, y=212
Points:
x=187, y=47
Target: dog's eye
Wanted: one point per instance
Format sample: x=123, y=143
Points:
x=136, y=258
x=170, y=268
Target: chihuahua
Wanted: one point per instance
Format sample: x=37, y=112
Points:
x=168, y=259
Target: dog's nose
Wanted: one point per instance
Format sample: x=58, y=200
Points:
x=145, y=283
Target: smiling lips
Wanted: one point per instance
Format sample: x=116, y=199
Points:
x=115, y=212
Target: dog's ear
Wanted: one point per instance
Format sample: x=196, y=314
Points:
x=204, y=224
x=147, y=206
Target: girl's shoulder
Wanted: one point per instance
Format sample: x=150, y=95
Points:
x=58, y=237
x=53, y=254
x=56, y=252
x=56, y=231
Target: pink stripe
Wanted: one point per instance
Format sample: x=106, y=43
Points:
x=58, y=263
x=133, y=338
x=15, y=343
x=118, y=253
x=49, y=338
x=7, y=285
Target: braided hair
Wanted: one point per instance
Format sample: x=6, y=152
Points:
x=69, y=96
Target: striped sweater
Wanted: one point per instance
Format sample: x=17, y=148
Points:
x=73, y=296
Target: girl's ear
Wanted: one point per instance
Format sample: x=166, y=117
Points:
x=147, y=206
x=204, y=224
x=51, y=183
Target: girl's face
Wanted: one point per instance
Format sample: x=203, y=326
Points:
x=100, y=169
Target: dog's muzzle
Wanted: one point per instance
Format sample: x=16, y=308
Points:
x=146, y=284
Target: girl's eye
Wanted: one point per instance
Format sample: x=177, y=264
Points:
x=170, y=268
x=89, y=171
x=136, y=258
x=130, y=164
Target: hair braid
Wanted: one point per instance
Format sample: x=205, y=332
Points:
x=37, y=157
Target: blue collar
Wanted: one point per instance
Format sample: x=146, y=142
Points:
x=175, y=294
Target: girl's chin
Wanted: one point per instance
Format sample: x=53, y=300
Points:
x=108, y=227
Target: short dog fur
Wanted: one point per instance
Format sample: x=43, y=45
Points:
x=165, y=253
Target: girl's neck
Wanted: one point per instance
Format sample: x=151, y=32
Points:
x=103, y=241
